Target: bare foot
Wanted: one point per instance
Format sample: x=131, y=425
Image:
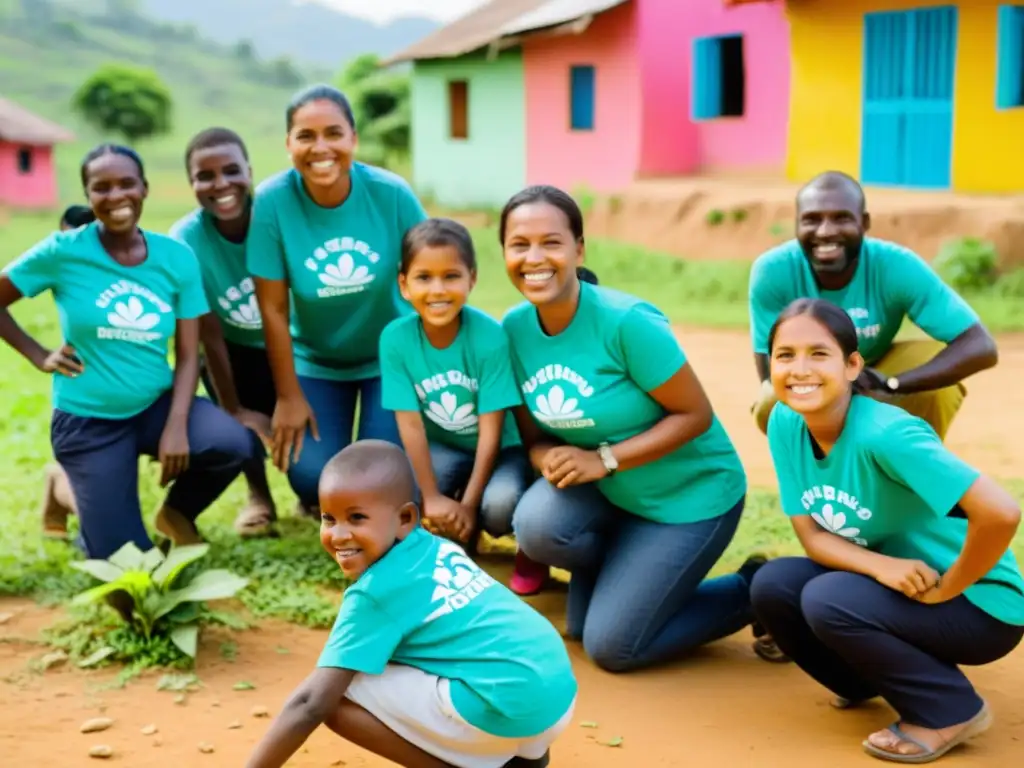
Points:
x=918, y=740
x=176, y=527
x=58, y=503
x=257, y=518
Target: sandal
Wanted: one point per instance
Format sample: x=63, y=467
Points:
x=978, y=724
x=256, y=519
x=528, y=576
x=765, y=648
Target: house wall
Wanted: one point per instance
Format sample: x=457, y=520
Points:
x=828, y=69
x=36, y=189
x=489, y=166
x=671, y=142
x=606, y=158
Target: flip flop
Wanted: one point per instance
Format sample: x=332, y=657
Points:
x=978, y=724
x=255, y=520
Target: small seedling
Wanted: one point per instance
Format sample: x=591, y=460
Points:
x=715, y=217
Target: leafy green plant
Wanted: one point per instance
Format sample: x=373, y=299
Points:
x=714, y=217
x=739, y=215
x=154, y=597
x=968, y=263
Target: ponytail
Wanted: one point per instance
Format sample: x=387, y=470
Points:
x=586, y=276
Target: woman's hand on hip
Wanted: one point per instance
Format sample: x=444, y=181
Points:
x=173, y=451
x=63, y=361
x=292, y=417
x=567, y=465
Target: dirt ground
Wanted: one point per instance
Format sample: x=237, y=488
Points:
x=674, y=216
x=718, y=708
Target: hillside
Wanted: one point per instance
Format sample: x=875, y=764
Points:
x=46, y=54
x=304, y=31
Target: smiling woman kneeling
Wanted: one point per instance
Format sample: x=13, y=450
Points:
x=122, y=293
x=908, y=573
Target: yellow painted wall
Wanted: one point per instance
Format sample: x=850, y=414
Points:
x=826, y=95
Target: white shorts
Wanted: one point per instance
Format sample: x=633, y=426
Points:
x=418, y=707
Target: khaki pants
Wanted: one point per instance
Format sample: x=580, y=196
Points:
x=937, y=407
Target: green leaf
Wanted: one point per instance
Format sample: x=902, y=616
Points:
x=244, y=685
x=128, y=558
x=152, y=559
x=215, y=584
x=186, y=637
x=96, y=593
x=614, y=741
x=177, y=560
x=588, y=724
x=99, y=569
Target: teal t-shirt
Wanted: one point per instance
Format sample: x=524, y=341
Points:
x=891, y=283
x=451, y=387
x=229, y=288
x=888, y=484
x=425, y=604
x=341, y=265
x=120, y=319
x=590, y=384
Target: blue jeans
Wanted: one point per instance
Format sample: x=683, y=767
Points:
x=334, y=407
x=860, y=639
x=101, y=459
x=511, y=477
x=637, y=595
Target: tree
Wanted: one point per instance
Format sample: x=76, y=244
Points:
x=381, y=103
x=129, y=101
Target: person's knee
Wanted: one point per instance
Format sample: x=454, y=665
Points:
x=499, y=504
x=763, y=406
x=610, y=646
x=776, y=585
x=532, y=522
x=827, y=602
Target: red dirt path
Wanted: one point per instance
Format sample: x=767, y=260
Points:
x=722, y=707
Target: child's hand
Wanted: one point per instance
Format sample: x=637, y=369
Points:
x=462, y=525
x=440, y=510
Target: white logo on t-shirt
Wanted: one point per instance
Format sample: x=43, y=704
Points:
x=344, y=265
x=555, y=391
x=458, y=580
x=445, y=411
x=240, y=306
x=832, y=519
x=133, y=312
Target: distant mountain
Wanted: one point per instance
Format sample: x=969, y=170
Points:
x=303, y=31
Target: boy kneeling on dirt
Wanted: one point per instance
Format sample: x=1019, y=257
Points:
x=431, y=663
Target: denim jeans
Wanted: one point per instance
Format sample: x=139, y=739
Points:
x=101, y=459
x=638, y=594
x=334, y=407
x=511, y=477
x=860, y=639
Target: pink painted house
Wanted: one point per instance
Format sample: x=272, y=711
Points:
x=28, y=178
x=646, y=88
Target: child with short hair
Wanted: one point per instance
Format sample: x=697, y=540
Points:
x=431, y=662
x=446, y=372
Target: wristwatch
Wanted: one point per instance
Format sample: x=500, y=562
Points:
x=892, y=383
x=608, y=458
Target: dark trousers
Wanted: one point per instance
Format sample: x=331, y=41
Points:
x=101, y=459
x=254, y=383
x=860, y=639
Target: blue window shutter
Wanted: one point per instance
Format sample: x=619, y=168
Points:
x=1009, y=75
x=582, y=97
x=706, y=79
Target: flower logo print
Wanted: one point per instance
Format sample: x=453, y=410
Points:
x=343, y=274
x=449, y=415
x=835, y=522
x=247, y=314
x=132, y=315
x=554, y=406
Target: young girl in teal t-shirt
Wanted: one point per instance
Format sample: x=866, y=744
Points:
x=907, y=573
x=447, y=373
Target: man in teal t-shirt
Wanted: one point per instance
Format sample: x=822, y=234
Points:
x=879, y=284
x=448, y=660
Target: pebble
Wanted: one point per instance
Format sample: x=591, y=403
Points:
x=235, y=725
x=5, y=617
x=158, y=742
x=96, y=724
x=149, y=730
x=259, y=711
x=206, y=748
x=101, y=751
x=53, y=659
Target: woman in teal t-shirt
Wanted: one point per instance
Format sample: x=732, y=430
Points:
x=122, y=294
x=324, y=248
x=446, y=372
x=908, y=573
x=235, y=371
x=642, y=489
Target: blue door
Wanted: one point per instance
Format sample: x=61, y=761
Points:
x=909, y=65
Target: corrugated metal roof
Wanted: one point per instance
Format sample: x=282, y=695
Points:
x=496, y=20
x=17, y=124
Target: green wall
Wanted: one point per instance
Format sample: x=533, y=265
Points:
x=488, y=167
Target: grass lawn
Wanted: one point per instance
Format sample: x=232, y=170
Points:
x=291, y=578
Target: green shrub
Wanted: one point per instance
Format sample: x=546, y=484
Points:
x=967, y=263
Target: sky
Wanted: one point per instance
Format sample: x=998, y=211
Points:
x=383, y=11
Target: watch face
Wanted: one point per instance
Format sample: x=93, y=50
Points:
x=893, y=383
